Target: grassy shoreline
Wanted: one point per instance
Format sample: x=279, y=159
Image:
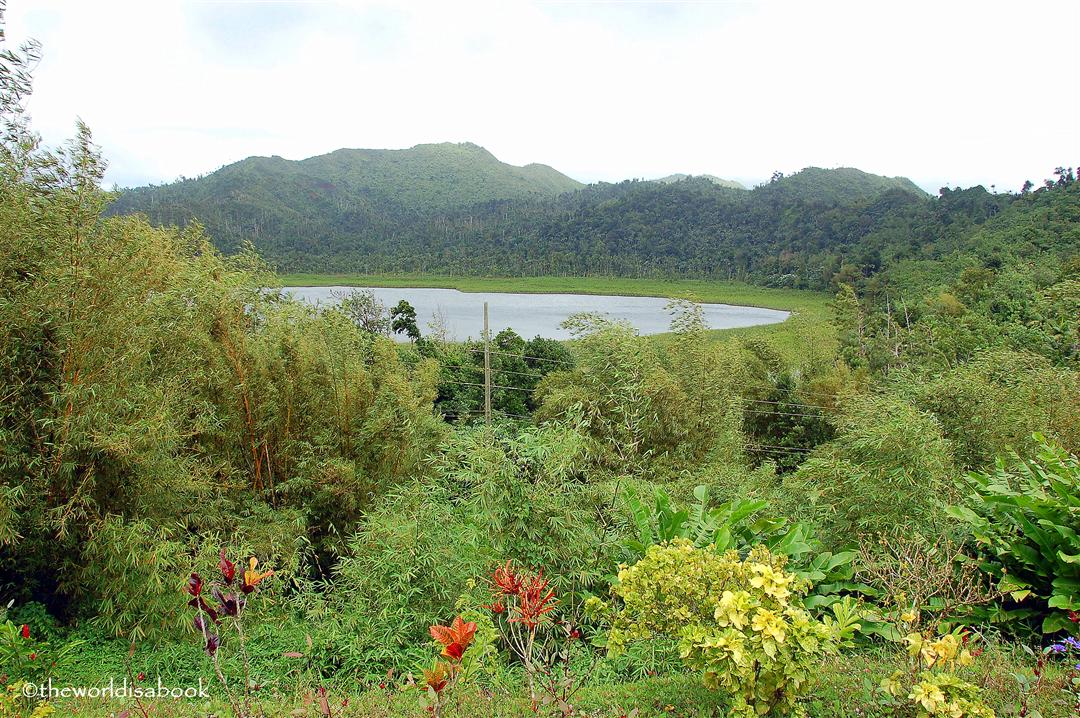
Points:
x=709, y=291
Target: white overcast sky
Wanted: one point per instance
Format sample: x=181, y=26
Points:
x=942, y=92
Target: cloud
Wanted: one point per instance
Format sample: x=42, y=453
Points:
x=942, y=92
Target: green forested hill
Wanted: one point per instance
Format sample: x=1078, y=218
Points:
x=273, y=202
x=456, y=209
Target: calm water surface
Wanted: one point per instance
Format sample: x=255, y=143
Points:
x=462, y=313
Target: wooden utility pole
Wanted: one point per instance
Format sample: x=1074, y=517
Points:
x=487, y=367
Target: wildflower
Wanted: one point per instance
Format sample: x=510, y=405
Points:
x=1074, y=616
x=1074, y=642
x=1057, y=648
x=946, y=647
x=908, y=617
x=141, y=676
x=33, y=656
x=252, y=577
x=25, y=632
x=228, y=568
x=454, y=638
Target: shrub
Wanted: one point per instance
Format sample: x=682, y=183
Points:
x=931, y=686
x=740, y=622
x=888, y=467
x=740, y=525
x=455, y=640
x=404, y=570
x=1024, y=518
x=995, y=402
x=638, y=402
x=935, y=579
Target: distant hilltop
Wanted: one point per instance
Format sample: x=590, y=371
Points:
x=731, y=184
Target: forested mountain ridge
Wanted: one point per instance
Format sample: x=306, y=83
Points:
x=349, y=192
x=455, y=208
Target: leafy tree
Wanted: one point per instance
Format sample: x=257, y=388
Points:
x=366, y=311
x=403, y=320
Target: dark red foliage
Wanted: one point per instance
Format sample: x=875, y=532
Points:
x=228, y=568
x=227, y=602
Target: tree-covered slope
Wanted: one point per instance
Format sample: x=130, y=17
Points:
x=457, y=209
x=275, y=203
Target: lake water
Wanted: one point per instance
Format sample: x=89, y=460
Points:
x=462, y=313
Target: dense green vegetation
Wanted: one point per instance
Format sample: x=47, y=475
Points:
x=270, y=201
x=794, y=231
x=868, y=510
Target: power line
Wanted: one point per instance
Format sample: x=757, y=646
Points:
x=493, y=386
x=480, y=412
x=524, y=356
x=781, y=413
x=787, y=403
x=780, y=449
x=493, y=371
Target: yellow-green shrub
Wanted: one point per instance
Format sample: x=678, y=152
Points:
x=931, y=686
x=740, y=622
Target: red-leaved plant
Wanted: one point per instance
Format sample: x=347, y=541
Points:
x=523, y=605
x=438, y=680
x=229, y=597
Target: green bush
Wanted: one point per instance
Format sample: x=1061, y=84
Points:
x=741, y=525
x=740, y=622
x=888, y=467
x=1024, y=517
